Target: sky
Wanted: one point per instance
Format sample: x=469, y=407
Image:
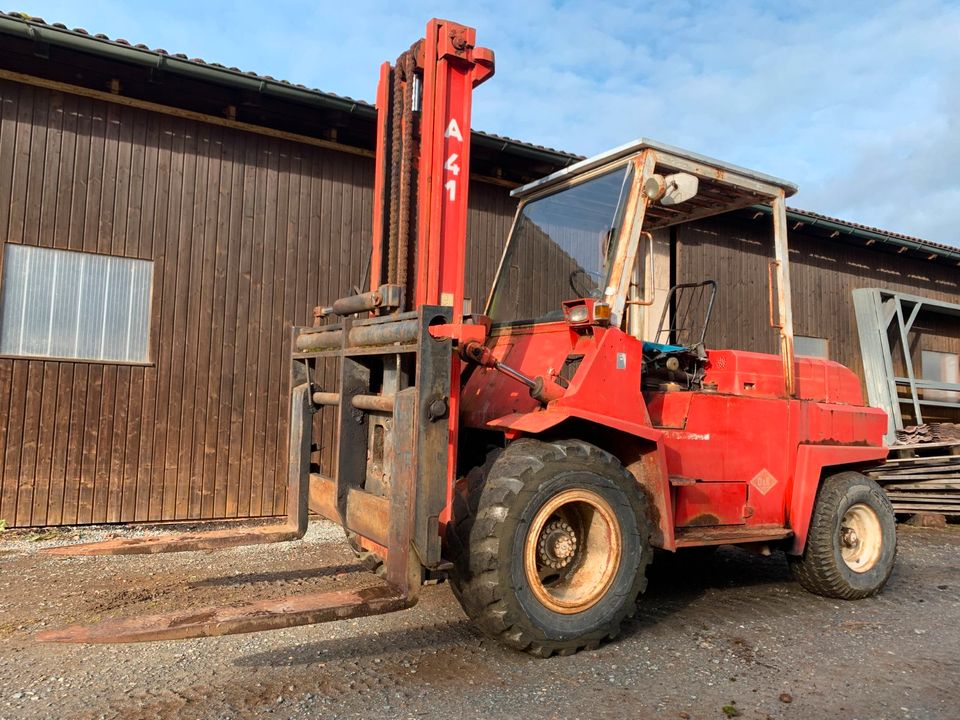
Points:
x=858, y=102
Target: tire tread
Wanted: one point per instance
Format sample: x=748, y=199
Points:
x=817, y=570
x=486, y=496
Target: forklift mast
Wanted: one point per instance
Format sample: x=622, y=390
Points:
x=398, y=385
x=421, y=184
x=423, y=161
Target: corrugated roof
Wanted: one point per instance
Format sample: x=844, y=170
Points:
x=813, y=217
x=869, y=234
x=39, y=28
x=40, y=25
x=100, y=37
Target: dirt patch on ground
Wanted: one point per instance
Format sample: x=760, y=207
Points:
x=129, y=598
x=736, y=633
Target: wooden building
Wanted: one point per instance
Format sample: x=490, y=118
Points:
x=163, y=221
x=829, y=259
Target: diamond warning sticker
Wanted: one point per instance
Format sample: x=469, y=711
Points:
x=763, y=481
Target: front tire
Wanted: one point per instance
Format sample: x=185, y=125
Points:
x=550, y=543
x=852, y=542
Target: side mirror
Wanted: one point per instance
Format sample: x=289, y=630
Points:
x=671, y=189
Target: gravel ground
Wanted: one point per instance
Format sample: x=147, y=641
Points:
x=736, y=638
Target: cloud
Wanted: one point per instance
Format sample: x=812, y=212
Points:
x=855, y=101
x=905, y=178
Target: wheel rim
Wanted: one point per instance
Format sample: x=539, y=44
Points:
x=572, y=551
x=861, y=537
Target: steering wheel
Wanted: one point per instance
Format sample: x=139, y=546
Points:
x=582, y=284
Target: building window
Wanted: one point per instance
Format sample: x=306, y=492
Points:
x=940, y=367
x=64, y=304
x=811, y=347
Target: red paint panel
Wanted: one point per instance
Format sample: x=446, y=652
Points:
x=669, y=410
x=452, y=67
x=813, y=462
x=532, y=350
x=750, y=374
x=706, y=504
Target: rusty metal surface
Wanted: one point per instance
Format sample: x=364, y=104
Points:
x=213, y=540
x=401, y=510
x=374, y=403
x=435, y=427
x=784, y=302
x=353, y=304
x=369, y=515
x=263, y=615
x=675, y=158
x=330, y=337
x=351, y=433
x=730, y=535
x=381, y=199
x=383, y=333
x=408, y=145
x=323, y=497
x=298, y=452
x=386, y=297
x=399, y=567
x=628, y=240
x=396, y=111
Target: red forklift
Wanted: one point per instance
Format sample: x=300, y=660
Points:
x=536, y=454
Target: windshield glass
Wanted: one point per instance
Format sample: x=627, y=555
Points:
x=560, y=249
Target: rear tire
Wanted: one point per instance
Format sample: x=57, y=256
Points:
x=852, y=542
x=550, y=543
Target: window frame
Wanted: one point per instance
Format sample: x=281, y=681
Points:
x=826, y=343
x=151, y=360
x=937, y=394
x=631, y=178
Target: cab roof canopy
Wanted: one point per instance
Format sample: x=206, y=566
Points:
x=722, y=187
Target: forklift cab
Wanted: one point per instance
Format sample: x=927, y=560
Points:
x=587, y=232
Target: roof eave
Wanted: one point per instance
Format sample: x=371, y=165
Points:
x=814, y=220
x=146, y=57
x=178, y=65
x=633, y=147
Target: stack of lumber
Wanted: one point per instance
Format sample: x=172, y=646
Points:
x=922, y=477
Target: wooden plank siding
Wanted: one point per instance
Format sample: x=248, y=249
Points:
x=247, y=233
x=823, y=273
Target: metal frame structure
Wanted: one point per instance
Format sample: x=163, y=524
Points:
x=877, y=310
x=672, y=328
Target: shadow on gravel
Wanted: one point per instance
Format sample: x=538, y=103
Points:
x=401, y=640
x=275, y=576
x=687, y=573
x=676, y=582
